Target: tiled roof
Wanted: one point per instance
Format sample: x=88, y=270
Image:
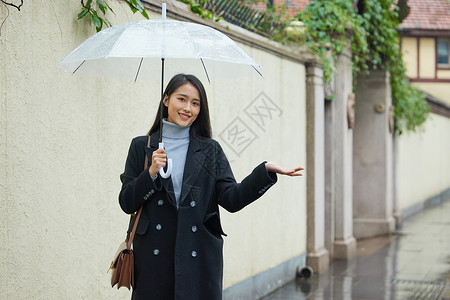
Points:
x=428, y=15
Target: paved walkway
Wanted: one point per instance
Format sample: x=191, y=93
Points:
x=412, y=264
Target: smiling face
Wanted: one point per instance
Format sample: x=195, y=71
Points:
x=183, y=105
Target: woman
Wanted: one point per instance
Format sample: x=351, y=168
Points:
x=178, y=242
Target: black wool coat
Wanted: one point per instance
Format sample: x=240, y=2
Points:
x=178, y=252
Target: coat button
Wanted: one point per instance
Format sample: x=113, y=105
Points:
x=160, y=202
x=193, y=203
x=158, y=226
x=194, y=228
x=156, y=252
x=194, y=253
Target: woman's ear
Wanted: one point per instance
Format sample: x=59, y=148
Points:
x=166, y=101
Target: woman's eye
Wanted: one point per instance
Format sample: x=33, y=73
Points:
x=196, y=103
x=181, y=99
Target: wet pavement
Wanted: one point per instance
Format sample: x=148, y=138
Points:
x=414, y=263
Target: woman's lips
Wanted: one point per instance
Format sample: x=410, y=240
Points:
x=183, y=116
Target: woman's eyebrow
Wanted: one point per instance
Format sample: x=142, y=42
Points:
x=186, y=96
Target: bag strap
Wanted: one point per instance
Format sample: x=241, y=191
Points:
x=130, y=237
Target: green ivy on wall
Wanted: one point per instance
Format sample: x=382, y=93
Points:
x=92, y=9
x=326, y=26
x=381, y=22
x=375, y=46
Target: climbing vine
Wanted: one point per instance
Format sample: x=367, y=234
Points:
x=93, y=9
x=327, y=26
x=381, y=23
x=371, y=27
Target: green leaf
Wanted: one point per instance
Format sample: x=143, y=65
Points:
x=331, y=97
x=131, y=5
x=82, y=14
x=96, y=20
x=102, y=6
x=109, y=7
x=144, y=13
x=107, y=23
x=141, y=9
x=139, y=4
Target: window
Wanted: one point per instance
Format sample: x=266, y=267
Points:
x=443, y=53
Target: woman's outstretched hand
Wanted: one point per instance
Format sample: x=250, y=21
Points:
x=276, y=168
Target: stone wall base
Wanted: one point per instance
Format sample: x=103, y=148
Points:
x=345, y=249
x=430, y=202
x=398, y=220
x=319, y=261
x=265, y=282
x=366, y=228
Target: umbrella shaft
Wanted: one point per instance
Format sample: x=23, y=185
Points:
x=162, y=98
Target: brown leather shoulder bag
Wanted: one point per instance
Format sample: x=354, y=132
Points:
x=122, y=264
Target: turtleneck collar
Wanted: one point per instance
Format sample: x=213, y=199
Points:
x=174, y=131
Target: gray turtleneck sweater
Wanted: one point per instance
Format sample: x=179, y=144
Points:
x=176, y=143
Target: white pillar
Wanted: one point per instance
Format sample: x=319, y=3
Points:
x=317, y=257
x=397, y=214
x=345, y=243
x=373, y=157
x=329, y=176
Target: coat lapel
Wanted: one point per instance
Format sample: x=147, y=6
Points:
x=166, y=182
x=194, y=162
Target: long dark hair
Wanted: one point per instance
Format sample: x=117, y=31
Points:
x=201, y=128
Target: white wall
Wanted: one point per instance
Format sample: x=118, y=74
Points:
x=63, y=144
x=423, y=166
x=273, y=229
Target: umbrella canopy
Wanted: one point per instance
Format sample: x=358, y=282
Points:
x=134, y=51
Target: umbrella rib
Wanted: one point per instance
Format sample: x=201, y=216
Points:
x=140, y=63
x=204, y=68
x=78, y=67
x=257, y=71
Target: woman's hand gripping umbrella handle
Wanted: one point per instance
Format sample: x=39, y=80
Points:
x=169, y=165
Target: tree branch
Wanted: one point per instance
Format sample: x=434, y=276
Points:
x=13, y=5
x=84, y=5
x=1, y=26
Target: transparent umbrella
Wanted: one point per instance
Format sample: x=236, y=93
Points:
x=134, y=51
x=146, y=50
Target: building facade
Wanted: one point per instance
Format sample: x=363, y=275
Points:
x=425, y=44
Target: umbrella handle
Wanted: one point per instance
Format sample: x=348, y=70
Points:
x=169, y=166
